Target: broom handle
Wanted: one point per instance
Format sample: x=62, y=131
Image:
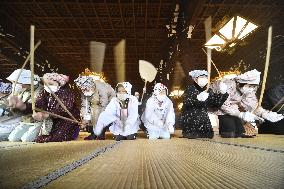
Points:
x=279, y=102
x=143, y=91
x=213, y=63
x=23, y=66
x=208, y=68
x=58, y=116
x=280, y=108
x=269, y=41
x=32, y=47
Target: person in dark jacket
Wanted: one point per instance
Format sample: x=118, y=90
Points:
x=194, y=119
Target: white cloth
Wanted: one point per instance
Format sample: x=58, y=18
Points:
x=24, y=78
x=31, y=134
x=25, y=132
x=248, y=117
x=272, y=116
x=153, y=134
x=250, y=77
x=111, y=115
x=198, y=73
x=214, y=120
x=203, y=96
x=159, y=118
x=8, y=125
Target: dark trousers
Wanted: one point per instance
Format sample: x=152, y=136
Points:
x=230, y=126
x=272, y=128
x=101, y=136
x=129, y=137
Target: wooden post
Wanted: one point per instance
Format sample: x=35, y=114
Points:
x=32, y=38
x=269, y=41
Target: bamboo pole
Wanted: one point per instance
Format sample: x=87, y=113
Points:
x=58, y=116
x=280, y=108
x=278, y=103
x=208, y=67
x=32, y=38
x=208, y=34
x=213, y=63
x=23, y=66
x=269, y=41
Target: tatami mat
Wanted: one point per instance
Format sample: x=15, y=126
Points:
x=22, y=164
x=178, y=163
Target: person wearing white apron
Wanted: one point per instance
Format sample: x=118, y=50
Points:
x=159, y=115
x=120, y=115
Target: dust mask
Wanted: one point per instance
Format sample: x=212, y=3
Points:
x=247, y=89
x=89, y=93
x=18, y=88
x=202, y=82
x=121, y=97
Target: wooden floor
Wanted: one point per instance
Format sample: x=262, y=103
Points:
x=175, y=163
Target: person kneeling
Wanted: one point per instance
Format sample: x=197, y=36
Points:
x=120, y=114
x=194, y=119
x=159, y=115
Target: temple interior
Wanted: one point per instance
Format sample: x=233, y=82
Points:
x=149, y=50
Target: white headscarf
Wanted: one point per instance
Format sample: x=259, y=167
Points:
x=24, y=78
x=159, y=87
x=127, y=86
x=250, y=77
x=85, y=82
x=197, y=73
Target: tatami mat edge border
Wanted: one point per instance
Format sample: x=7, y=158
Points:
x=43, y=181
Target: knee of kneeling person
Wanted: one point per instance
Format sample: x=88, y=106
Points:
x=166, y=136
x=14, y=137
x=17, y=133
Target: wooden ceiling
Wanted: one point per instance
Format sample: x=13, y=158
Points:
x=67, y=26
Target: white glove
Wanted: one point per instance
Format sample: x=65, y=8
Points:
x=248, y=116
x=171, y=129
x=223, y=88
x=202, y=96
x=272, y=116
x=144, y=90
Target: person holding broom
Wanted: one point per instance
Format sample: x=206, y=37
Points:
x=194, y=118
x=241, y=107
